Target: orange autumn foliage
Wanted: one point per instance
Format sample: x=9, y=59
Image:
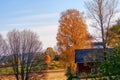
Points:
x=72, y=34
x=47, y=59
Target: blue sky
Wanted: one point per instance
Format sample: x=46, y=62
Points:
x=41, y=16
x=29, y=11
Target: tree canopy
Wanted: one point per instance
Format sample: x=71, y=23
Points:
x=102, y=11
x=72, y=34
x=3, y=48
x=111, y=67
x=50, y=51
x=24, y=46
x=114, y=35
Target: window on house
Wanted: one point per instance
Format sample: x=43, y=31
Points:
x=92, y=70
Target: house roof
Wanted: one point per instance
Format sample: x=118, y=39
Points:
x=90, y=55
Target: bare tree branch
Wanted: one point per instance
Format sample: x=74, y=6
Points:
x=102, y=12
x=3, y=48
x=24, y=46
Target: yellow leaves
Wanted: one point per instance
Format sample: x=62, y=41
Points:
x=73, y=68
x=72, y=35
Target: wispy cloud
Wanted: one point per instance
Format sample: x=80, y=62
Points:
x=26, y=22
x=47, y=34
x=37, y=17
x=45, y=25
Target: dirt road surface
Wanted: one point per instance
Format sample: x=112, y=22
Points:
x=43, y=75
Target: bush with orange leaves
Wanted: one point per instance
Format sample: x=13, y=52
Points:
x=47, y=59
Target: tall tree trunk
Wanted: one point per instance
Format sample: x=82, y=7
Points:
x=103, y=41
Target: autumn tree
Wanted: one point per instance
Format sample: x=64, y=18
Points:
x=50, y=51
x=72, y=34
x=24, y=46
x=102, y=11
x=47, y=59
x=114, y=35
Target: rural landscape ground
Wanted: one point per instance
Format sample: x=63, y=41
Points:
x=59, y=39
x=44, y=75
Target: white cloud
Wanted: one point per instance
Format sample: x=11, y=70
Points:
x=26, y=22
x=43, y=24
x=47, y=34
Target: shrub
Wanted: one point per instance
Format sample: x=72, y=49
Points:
x=111, y=67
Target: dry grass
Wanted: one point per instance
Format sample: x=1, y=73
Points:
x=45, y=75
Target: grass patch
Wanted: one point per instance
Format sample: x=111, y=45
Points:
x=7, y=70
x=37, y=68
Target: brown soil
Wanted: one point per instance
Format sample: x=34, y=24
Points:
x=43, y=75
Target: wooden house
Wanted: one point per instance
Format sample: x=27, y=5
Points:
x=86, y=59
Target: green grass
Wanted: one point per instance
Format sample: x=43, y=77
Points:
x=52, y=66
x=7, y=70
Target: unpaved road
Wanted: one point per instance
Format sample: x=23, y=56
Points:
x=44, y=75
